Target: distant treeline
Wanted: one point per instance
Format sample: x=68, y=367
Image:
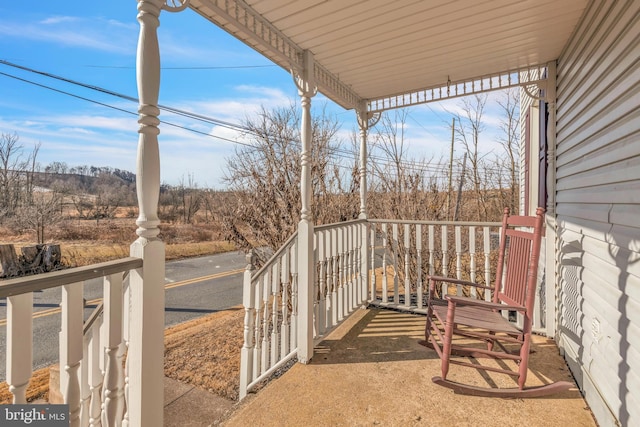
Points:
x=61, y=168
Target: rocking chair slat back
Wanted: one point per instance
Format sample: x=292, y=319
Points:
x=519, y=260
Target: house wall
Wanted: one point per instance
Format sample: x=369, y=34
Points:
x=598, y=208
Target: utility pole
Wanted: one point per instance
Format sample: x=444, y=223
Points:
x=453, y=134
x=464, y=166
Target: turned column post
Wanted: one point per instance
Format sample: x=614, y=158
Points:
x=306, y=272
x=366, y=121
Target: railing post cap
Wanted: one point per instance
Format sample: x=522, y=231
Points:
x=250, y=258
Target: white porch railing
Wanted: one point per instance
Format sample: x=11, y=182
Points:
x=403, y=253
x=271, y=297
x=382, y=262
x=92, y=380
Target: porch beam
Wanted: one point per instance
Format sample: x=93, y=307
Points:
x=305, y=81
x=454, y=89
x=241, y=21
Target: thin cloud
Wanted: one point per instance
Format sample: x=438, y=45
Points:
x=58, y=20
x=77, y=130
x=96, y=34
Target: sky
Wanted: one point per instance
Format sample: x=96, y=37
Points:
x=204, y=70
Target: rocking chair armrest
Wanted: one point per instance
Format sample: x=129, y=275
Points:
x=481, y=303
x=456, y=281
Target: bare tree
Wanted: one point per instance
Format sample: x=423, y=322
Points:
x=470, y=126
x=190, y=198
x=16, y=174
x=265, y=179
x=43, y=212
x=509, y=138
x=82, y=203
x=405, y=187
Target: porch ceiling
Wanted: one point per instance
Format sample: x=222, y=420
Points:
x=375, y=49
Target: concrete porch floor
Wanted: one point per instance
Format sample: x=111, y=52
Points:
x=372, y=371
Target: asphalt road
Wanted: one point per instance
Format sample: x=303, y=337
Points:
x=194, y=287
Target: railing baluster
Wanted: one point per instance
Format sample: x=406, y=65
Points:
x=126, y=333
x=472, y=259
x=322, y=271
x=266, y=283
x=330, y=301
x=352, y=268
x=334, y=277
x=71, y=349
x=94, y=354
x=285, y=332
x=407, y=282
x=315, y=293
x=385, y=280
x=357, y=277
x=248, y=346
x=257, y=329
x=373, y=295
x=85, y=388
x=340, y=266
x=112, y=320
x=487, y=262
x=294, y=295
x=396, y=254
x=346, y=288
x=363, y=264
x=419, y=291
x=19, y=349
x=346, y=271
x=445, y=256
x=275, y=330
x=432, y=248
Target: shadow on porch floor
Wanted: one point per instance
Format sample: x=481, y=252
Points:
x=372, y=371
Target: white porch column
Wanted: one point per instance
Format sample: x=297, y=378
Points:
x=146, y=335
x=306, y=270
x=551, y=236
x=365, y=121
x=363, y=124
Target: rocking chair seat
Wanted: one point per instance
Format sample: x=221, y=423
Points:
x=477, y=317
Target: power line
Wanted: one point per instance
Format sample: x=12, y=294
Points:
x=345, y=154
x=123, y=96
x=120, y=109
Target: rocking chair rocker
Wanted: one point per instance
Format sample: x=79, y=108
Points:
x=480, y=329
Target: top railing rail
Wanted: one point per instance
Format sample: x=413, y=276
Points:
x=54, y=279
x=458, y=223
x=325, y=227
x=277, y=255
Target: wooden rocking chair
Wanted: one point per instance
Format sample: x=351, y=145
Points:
x=480, y=329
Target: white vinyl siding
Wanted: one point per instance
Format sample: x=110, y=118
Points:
x=598, y=208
